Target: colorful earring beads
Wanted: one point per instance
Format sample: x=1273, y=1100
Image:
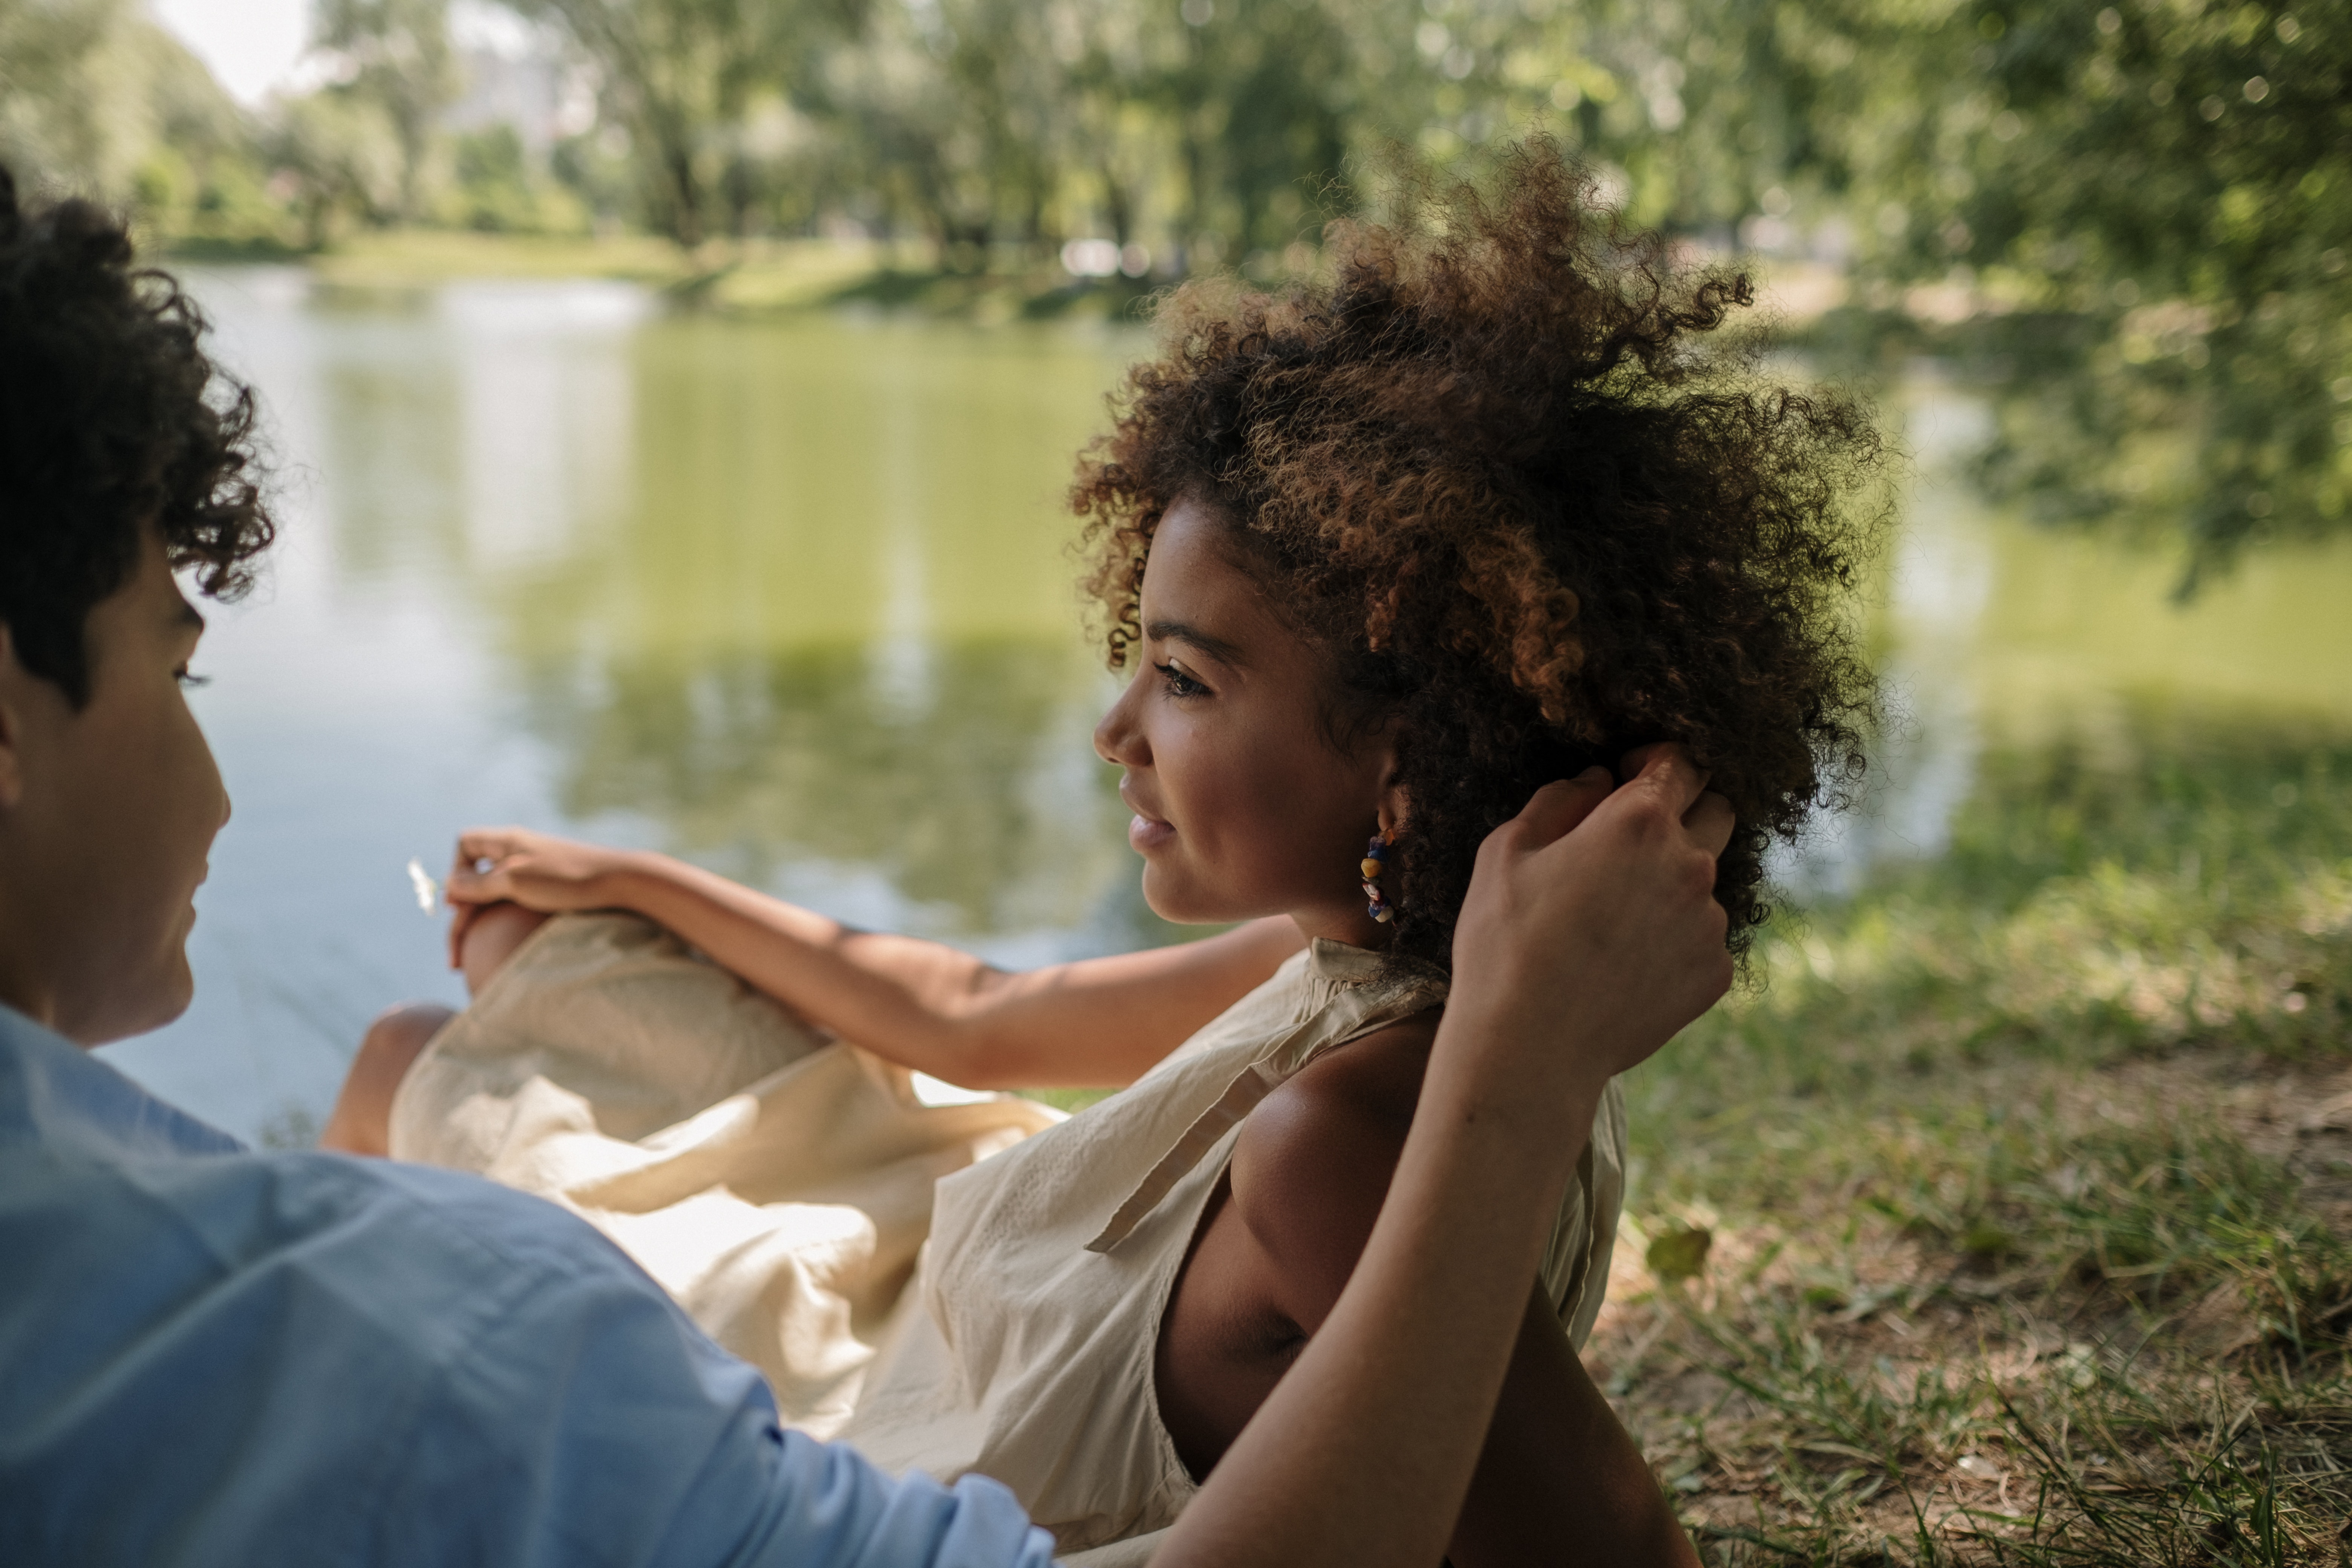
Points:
x=1378, y=852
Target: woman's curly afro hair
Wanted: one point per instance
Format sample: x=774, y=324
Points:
x=111, y=420
x=1504, y=468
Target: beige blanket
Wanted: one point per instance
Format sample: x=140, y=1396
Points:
x=776, y=1181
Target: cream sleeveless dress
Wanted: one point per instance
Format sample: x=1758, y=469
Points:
x=780, y=1183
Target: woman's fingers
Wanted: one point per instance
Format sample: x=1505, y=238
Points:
x=1681, y=786
x=1555, y=809
x=467, y=886
x=1711, y=822
x=1666, y=768
x=537, y=871
x=478, y=846
x=487, y=859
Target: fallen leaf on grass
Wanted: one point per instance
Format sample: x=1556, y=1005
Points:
x=1679, y=1254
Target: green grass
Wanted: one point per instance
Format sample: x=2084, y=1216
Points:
x=2026, y=1209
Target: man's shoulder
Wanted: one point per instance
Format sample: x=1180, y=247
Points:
x=327, y=1355
x=81, y=1136
x=421, y=1264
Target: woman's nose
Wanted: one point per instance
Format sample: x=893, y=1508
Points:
x=1115, y=736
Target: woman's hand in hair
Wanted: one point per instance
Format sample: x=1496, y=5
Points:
x=1592, y=916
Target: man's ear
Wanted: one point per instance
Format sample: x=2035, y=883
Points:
x=13, y=676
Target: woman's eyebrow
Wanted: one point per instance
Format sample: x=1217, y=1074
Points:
x=1217, y=648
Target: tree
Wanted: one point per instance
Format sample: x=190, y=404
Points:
x=678, y=75
x=340, y=155
x=2178, y=179
x=2149, y=205
x=399, y=58
x=49, y=124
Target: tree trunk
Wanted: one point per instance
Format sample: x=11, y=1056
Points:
x=681, y=193
x=1117, y=204
x=414, y=134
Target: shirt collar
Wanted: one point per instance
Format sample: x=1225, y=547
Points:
x=54, y=1092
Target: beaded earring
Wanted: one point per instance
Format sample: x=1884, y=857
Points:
x=1374, y=855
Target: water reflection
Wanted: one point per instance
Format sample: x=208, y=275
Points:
x=974, y=796
x=792, y=599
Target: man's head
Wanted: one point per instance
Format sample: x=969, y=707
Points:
x=123, y=456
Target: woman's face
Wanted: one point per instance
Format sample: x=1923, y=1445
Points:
x=1242, y=805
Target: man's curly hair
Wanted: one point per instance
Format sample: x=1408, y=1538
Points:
x=111, y=419
x=1503, y=471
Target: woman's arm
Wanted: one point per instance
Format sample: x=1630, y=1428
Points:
x=1099, y=1022
x=1558, y=1469
x=1363, y=1453
x=1308, y=1180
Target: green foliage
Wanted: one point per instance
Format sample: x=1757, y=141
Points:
x=496, y=188
x=95, y=98
x=336, y=154
x=2133, y=222
x=395, y=56
x=2154, y=202
x=682, y=78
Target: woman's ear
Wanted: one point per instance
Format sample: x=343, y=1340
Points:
x=1393, y=806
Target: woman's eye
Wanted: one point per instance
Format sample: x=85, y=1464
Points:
x=1179, y=683
x=188, y=681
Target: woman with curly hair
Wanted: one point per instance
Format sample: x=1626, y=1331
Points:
x=1498, y=505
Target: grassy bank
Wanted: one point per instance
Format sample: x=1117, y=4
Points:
x=748, y=278
x=767, y=277
x=2011, y=1219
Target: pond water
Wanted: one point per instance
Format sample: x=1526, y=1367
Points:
x=792, y=599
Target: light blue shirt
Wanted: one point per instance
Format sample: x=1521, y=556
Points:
x=209, y=1355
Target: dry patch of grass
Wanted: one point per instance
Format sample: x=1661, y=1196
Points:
x=2026, y=1186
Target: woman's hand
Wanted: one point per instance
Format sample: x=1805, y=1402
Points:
x=1593, y=914
x=537, y=871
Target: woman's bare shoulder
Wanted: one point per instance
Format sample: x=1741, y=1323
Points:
x=1374, y=1080
x=1314, y=1160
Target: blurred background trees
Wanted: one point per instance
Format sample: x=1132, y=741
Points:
x=395, y=57
x=2132, y=220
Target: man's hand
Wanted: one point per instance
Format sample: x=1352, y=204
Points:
x=1592, y=914
x=537, y=871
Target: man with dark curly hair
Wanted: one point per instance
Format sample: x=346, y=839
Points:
x=209, y=1355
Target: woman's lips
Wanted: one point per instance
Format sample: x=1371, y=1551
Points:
x=1145, y=832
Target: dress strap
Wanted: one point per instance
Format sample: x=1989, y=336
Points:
x=1355, y=1012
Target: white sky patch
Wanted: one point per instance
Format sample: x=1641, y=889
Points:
x=251, y=45
x=493, y=30
x=255, y=47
